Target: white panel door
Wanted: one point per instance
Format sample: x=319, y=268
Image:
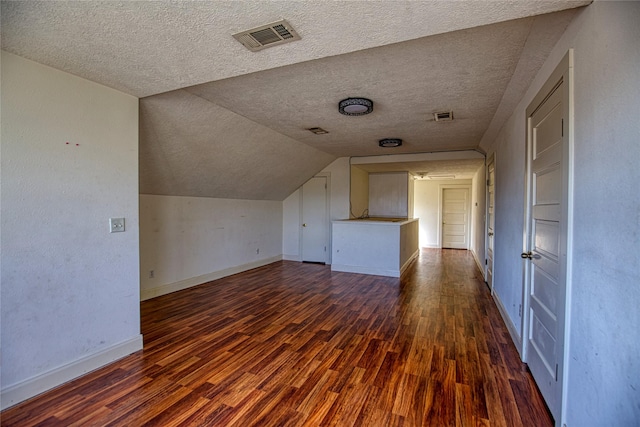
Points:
x=546, y=240
x=455, y=218
x=491, y=220
x=314, y=220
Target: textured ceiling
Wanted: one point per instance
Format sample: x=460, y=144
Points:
x=465, y=71
x=208, y=150
x=149, y=47
x=233, y=122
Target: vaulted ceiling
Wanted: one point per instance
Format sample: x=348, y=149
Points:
x=217, y=120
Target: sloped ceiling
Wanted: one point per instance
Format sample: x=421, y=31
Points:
x=192, y=147
x=219, y=121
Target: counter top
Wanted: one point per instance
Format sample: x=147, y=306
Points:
x=377, y=220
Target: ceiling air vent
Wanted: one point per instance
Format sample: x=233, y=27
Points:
x=444, y=116
x=267, y=36
x=318, y=131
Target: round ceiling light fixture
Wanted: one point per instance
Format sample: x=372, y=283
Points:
x=390, y=142
x=355, y=106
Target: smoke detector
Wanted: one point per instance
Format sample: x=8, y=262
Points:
x=269, y=35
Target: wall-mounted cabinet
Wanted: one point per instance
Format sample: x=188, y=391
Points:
x=391, y=195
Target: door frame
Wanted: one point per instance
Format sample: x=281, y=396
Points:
x=327, y=237
x=563, y=72
x=490, y=160
x=441, y=209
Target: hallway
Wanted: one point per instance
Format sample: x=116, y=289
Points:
x=295, y=344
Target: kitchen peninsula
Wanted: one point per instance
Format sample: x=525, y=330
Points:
x=379, y=246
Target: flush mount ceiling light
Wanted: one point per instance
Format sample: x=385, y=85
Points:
x=355, y=106
x=390, y=142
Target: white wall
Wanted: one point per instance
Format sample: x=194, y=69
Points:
x=338, y=171
x=427, y=208
x=603, y=372
x=291, y=227
x=478, y=218
x=339, y=201
x=70, y=289
x=359, y=192
x=187, y=241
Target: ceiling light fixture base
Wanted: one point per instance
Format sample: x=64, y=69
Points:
x=355, y=106
x=390, y=142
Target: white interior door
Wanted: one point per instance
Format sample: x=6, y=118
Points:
x=545, y=246
x=314, y=220
x=455, y=218
x=491, y=220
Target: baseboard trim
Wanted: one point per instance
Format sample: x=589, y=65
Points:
x=146, y=294
x=365, y=270
x=515, y=336
x=39, y=384
x=406, y=265
x=286, y=257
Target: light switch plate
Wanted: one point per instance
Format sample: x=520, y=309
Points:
x=116, y=225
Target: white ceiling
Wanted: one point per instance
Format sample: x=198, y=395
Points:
x=219, y=121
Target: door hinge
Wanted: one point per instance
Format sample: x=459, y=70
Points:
x=325, y=186
x=486, y=262
x=562, y=127
x=325, y=249
x=520, y=310
x=556, y=372
x=488, y=182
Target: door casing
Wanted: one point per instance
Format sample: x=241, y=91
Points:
x=562, y=73
x=327, y=226
x=441, y=210
x=490, y=227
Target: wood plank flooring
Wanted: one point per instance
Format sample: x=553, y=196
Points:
x=293, y=344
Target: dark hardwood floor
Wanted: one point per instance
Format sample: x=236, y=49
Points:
x=294, y=344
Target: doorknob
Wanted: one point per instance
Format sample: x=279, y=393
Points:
x=526, y=255
x=304, y=225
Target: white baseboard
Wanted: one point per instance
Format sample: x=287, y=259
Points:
x=513, y=331
x=432, y=246
x=406, y=265
x=24, y=390
x=365, y=270
x=286, y=257
x=146, y=294
x=373, y=270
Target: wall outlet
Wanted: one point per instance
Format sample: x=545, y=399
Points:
x=151, y=274
x=116, y=225
x=258, y=251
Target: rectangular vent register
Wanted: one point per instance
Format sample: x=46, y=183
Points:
x=266, y=36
